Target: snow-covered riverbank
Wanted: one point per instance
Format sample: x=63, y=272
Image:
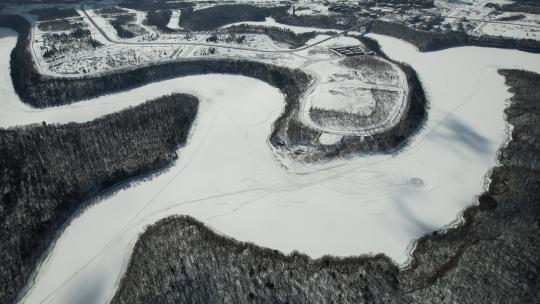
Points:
x=228, y=177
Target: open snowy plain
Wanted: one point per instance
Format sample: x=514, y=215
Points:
x=229, y=177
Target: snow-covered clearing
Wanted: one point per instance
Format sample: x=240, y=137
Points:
x=271, y=22
x=228, y=176
x=373, y=89
x=174, y=23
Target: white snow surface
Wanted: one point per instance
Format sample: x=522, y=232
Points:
x=344, y=99
x=175, y=19
x=229, y=177
x=271, y=22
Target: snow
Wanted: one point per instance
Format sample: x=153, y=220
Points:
x=344, y=99
x=228, y=176
x=271, y=22
x=510, y=30
x=175, y=19
x=329, y=139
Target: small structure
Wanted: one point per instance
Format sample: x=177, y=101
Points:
x=350, y=51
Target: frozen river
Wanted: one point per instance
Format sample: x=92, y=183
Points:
x=228, y=176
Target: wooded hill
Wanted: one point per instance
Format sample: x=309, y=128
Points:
x=47, y=172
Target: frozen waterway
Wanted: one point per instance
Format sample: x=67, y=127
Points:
x=228, y=177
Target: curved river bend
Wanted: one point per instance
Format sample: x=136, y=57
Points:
x=228, y=176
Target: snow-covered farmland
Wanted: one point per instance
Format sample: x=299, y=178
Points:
x=228, y=176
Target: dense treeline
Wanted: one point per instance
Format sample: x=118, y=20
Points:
x=61, y=25
x=76, y=39
x=431, y=41
x=342, y=22
x=119, y=22
x=48, y=171
x=292, y=134
x=216, y=16
x=280, y=35
x=150, y=5
x=491, y=258
x=45, y=91
x=159, y=19
x=51, y=13
x=179, y=260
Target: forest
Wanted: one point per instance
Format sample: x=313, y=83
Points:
x=119, y=22
x=150, y=5
x=52, y=13
x=430, y=41
x=281, y=35
x=216, y=16
x=49, y=172
x=180, y=260
x=37, y=198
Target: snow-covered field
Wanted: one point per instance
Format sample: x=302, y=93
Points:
x=473, y=17
x=318, y=57
x=76, y=58
x=228, y=176
x=175, y=19
x=272, y=23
